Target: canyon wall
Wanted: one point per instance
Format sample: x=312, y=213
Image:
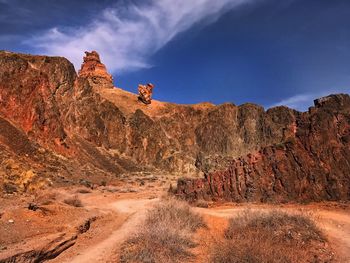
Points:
x=312, y=165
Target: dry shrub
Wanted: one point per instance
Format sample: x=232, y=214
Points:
x=46, y=198
x=165, y=236
x=176, y=213
x=73, y=201
x=201, y=204
x=272, y=237
x=83, y=191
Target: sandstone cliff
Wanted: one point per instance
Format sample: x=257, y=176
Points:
x=70, y=128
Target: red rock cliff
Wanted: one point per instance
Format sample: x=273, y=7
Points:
x=312, y=165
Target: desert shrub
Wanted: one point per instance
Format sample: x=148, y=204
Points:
x=285, y=227
x=9, y=188
x=73, y=201
x=272, y=237
x=83, y=191
x=175, y=212
x=46, y=198
x=86, y=183
x=165, y=236
x=201, y=204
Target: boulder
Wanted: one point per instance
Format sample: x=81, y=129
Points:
x=145, y=93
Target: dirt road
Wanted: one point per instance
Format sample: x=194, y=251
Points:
x=133, y=212
x=334, y=221
x=336, y=226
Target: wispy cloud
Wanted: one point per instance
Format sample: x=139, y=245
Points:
x=303, y=101
x=126, y=35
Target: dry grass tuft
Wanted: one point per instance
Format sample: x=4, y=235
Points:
x=74, y=201
x=176, y=213
x=201, y=204
x=46, y=198
x=273, y=237
x=166, y=235
x=83, y=191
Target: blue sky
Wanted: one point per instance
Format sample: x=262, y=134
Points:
x=269, y=52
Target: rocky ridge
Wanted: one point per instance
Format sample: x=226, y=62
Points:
x=71, y=128
x=312, y=165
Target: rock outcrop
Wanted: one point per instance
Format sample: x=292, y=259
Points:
x=44, y=248
x=145, y=93
x=311, y=165
x=66, y=128
x=31, y=90
x=93, y=69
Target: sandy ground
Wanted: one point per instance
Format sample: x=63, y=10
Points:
x=132, y=211
x=332, y=218
x=117, y=215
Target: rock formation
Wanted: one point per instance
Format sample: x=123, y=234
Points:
x=93, y=69
x=312, y=165
x=145, y=93
x=65, y=128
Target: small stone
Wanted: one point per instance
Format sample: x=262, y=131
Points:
x=11, y=221
x=41, y=150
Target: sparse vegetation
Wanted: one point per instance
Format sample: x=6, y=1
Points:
x=83, y=191
x=86, y=183
x=201, y=203
x=9, y=188
x=74, y=201
x=46, y=198
x=165, y=236
x=273, y=237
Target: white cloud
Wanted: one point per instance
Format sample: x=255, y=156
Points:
x=127, y=35
x=298, y=102
x=302, y=102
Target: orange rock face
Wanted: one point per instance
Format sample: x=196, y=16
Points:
x=92, y=68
